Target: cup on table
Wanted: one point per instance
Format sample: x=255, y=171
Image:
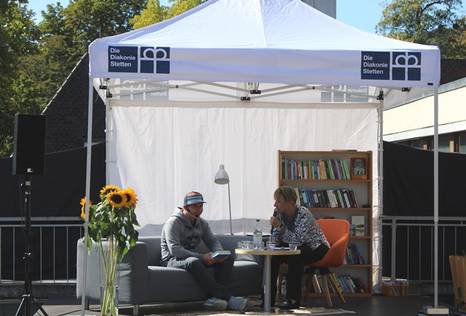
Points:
x=293, y=246
x=248, y=244
x=270, y=244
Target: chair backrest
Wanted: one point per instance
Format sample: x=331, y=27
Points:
x=334, y=229
x=337, y=233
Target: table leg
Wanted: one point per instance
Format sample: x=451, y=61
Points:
x=267, y=294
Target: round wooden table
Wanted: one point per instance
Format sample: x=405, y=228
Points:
x=267, y=253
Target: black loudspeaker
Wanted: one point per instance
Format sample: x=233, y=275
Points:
x=28, y=157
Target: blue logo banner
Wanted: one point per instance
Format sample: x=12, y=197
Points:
x=122, y=59
x=144, y=59
x=375, y=65
x=400, y=66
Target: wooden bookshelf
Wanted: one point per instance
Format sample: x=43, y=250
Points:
x=339, y=193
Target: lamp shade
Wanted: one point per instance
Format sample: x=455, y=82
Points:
x=222, y=176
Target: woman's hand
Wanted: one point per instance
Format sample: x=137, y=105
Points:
x=275, y=222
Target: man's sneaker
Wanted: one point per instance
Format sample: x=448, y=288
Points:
x=215, y=304
x=237, y=303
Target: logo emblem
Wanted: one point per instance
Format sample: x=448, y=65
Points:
x=406, y=66
x=145, y=59
x=391, y=66
x=155, y=60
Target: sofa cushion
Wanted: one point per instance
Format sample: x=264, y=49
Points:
x=153, y=249
x=168, y=284
x=172, y=285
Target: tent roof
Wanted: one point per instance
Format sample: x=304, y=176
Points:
x=281, y=41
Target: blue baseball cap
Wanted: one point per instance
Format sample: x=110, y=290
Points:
x=193, y=198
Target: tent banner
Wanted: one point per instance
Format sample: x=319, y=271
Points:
x=359, y=68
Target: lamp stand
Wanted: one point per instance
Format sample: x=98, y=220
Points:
x=229, y=208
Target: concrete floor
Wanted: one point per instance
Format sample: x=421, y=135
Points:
x=375, y=305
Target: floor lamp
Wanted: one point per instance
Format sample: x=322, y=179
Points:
x=221, y=177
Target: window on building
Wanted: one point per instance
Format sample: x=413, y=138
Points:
x=462, y=142
x=444, y=143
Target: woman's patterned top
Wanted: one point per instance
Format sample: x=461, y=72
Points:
x=302, y=229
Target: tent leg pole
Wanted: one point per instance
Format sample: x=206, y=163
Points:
x=436, y=205
x=88, y=188
x=436, y=310
x=378, y=242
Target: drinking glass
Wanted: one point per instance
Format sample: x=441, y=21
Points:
x=249, y=244
x=270, y=244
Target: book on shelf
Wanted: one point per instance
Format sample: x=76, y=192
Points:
x=350, y=284
x=318, y=169
x=336, y=184
x=353, y=255
x=358, y=225
x=330, y=198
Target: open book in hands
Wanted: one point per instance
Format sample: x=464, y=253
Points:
x=221, y=254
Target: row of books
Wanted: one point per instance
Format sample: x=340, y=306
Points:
x=330, y=169
x=353, y=255
x=350, y=284
x=398, y=287
x=342, y=198
x=345, y=282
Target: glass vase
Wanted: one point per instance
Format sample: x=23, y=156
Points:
x=109, y=284
x=109, y=300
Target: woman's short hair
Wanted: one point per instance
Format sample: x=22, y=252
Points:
x=287, y=193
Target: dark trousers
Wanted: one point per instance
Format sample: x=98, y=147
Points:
x=215, y=285
x=295, y=270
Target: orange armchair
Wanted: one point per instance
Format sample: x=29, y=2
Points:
x=337, y=233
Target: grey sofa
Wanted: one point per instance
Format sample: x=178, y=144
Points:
x=142, y=280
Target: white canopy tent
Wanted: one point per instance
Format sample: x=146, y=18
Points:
x=238, y=62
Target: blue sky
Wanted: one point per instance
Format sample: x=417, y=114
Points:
x=363, y=14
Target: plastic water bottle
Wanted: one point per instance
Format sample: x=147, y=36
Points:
x=257, y=236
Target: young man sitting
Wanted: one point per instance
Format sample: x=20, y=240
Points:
x=181, y=240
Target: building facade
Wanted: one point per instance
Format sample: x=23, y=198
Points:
x=411, y=122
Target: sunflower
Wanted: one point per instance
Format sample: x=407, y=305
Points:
x=109, y=188
x=83, y=208
x=130, y=197
x=116, y=199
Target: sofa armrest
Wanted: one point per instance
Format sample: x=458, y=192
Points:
x=132, y=274
x=92, y=290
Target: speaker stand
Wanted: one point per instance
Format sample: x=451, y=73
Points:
x=27, y=299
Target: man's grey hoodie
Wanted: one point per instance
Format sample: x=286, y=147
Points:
x=182, y=238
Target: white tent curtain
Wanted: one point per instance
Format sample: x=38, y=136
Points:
x=165, y=151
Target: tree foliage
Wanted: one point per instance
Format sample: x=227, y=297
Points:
x=180, y=6
x=18, y=39
x=433, y=22
x=35, y=59
x=152, y=13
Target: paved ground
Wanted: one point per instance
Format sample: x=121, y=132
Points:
x=376, y=305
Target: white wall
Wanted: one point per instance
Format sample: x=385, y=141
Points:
x=415, y=119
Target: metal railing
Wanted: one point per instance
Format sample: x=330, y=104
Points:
x=53, y=247
x=408, y=246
